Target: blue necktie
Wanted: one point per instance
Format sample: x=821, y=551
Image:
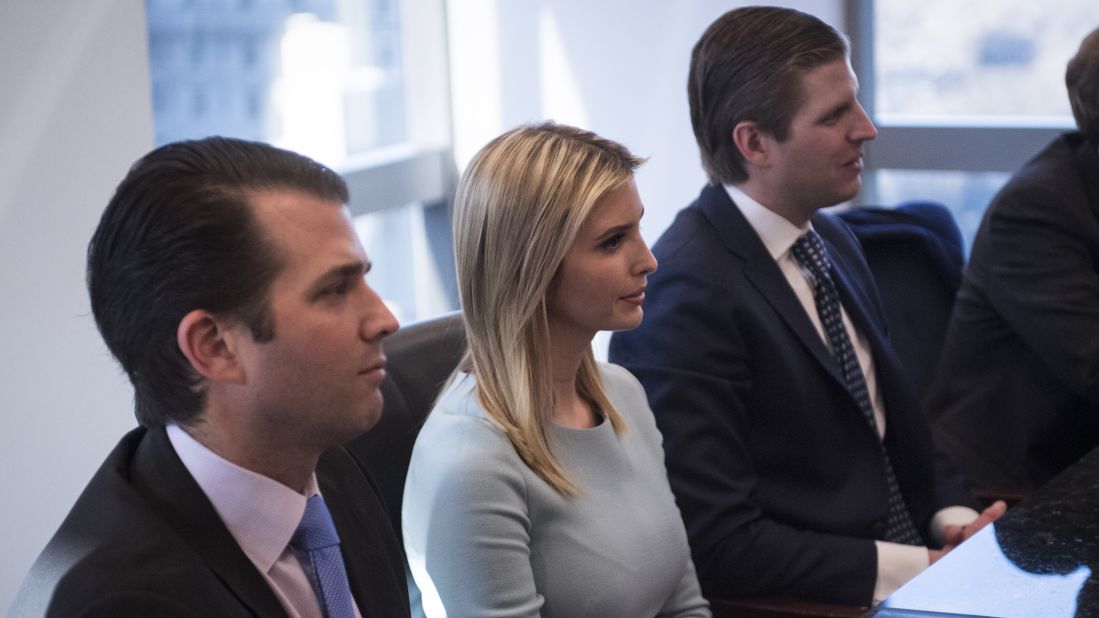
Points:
x=317, y=542
x=810, y=252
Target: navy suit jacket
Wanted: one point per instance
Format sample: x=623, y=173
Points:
x=1016, y=398
x=777, y=473
x=143, y=540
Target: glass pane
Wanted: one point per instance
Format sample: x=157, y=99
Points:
x=966, y=194
x=321, y=77
x=945, y=58
x=411, y=251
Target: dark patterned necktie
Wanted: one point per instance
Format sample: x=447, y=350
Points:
x=317, y=546
x=809, y=252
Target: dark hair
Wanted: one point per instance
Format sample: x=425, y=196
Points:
x=1082, y=80
x=179, y=235
x=747, y=66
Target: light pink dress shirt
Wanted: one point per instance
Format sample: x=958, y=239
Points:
x=261, y=514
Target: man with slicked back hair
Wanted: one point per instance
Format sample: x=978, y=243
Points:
x=799, y=457
x=228, y=282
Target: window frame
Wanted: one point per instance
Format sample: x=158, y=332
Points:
x=422, y=168
x=964, y=144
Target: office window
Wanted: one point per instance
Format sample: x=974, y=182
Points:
x=966, y=193
x=962, y=93
x=330, y=79
x=984, y=58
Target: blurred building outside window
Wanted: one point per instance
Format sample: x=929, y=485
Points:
x=329, y=79
x=985, y=78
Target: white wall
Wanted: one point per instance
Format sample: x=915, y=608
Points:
x=617, y=67
x=74, y=113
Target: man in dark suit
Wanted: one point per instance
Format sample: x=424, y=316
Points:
x=800, y=461
x=1016, y=399
x=226, y=278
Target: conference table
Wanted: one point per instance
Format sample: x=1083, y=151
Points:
x=1041, y=559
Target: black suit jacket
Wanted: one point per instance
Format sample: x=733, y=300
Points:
x=143, y=540
x=777, y=473
x=1016, y=399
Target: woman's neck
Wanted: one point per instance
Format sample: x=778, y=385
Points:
x=569, y=408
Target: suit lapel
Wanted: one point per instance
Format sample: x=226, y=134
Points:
x=161, y=477
x=853, y=296
x=762, y=271
x=858, y=302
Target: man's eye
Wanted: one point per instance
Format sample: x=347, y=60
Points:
x=338, y=290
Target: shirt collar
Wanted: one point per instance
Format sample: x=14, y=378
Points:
x=777, y=233
x=259, y=512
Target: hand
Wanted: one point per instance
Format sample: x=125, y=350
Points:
x=933, y=555
x=955, y=535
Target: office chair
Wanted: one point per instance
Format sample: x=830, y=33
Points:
x=916, y=258
x=420, y=358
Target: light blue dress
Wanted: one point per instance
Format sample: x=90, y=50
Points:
x=486, y=536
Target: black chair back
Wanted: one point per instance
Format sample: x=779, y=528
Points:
x=916, y=257
x=420, y=358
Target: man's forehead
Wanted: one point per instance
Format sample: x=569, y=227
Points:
x=837, y=70
x=295, y=221
x=285, y=200
x=823, y=84
x=283, y=212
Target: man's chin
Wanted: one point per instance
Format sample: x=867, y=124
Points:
x=848, y=192
x=853, y=190
x=364, y=418
x=373, y=412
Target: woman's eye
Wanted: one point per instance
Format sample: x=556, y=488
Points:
x=613, y=242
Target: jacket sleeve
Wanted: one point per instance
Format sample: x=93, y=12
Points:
x=1045, y=283
x=135, y=603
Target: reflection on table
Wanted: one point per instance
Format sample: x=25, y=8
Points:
x=1037, y=560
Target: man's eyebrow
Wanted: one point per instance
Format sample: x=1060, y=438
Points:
x=342, y=272
x=351, y=269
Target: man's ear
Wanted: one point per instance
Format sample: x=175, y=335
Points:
x=751, y=142
x=209, y=344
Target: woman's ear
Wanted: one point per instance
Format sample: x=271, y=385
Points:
x=209, y=344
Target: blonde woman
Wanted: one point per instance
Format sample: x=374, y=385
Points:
x=537, y=485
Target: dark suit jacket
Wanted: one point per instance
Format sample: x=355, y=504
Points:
x=777, y=473
x=1016, y=399
x=143, y=540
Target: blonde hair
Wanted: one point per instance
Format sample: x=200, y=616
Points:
x=518, y=208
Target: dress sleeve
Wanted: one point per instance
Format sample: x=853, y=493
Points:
x=466, y=522
x=686, y=600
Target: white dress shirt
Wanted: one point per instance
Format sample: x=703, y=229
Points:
x=261, y=514
x=897, y=563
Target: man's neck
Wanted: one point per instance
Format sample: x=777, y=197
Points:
x=770, y=200
x=288, y=464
